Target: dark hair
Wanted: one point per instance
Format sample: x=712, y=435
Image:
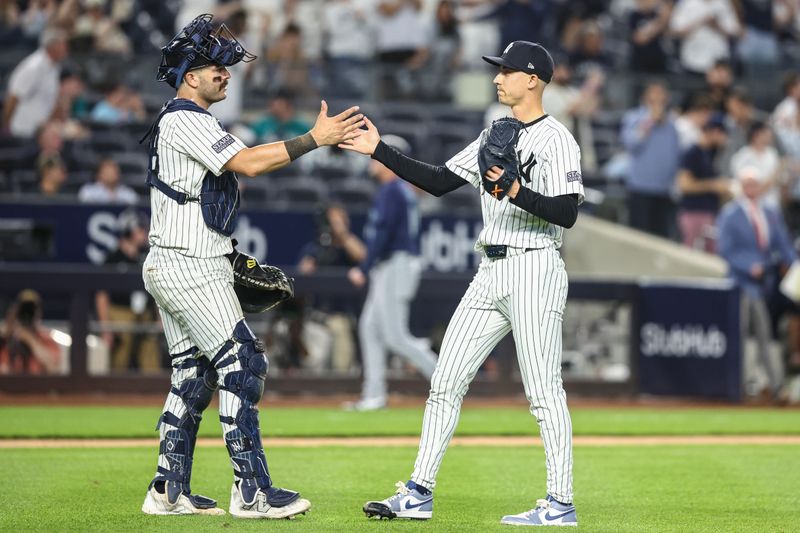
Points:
x=789, y=81
x=741, y=94
x=755, y=128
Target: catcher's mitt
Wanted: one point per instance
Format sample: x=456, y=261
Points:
x=499, y=149
x=258, y=287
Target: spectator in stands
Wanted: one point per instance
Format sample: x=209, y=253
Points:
x=651, y=139
x=441, y=56
x=589, y=53
x=38, y=15
x=704, y=28
x=33, y=86
x=106, y=35
x=52, y=176
x=10, y=28
x=754, y=241
x=740, y=117
x=71, y=106
x=690, y=123
x=125, y=310
x=26, y=347
x=719, y=83
x=522, y=20
x=120, y=105
x=229, y=110
x=107, y=188
x=282, y=121
x=572, y=16
x=335, y=245
x=786, y=116
x=400, y=43
x=762, y=21
x=702, y=186
x=648, y=23
x=760, y=153
x=287, y=64
x=574, y=107
x=346, y=25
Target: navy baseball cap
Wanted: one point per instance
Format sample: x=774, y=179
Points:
x=528, y=57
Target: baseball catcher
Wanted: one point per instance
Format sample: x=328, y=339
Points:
x=258, y=287
x=499, y=149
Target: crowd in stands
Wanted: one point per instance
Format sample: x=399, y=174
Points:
x=679, y=105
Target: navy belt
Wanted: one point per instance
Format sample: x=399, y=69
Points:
x=497, y=251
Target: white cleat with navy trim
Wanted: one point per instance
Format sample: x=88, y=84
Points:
x=547, y=512
x=410, y=501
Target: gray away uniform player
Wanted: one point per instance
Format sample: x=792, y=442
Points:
x=194, y=202
x=394, y=267
x=520, y=286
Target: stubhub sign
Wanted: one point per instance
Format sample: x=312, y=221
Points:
x=690, y=340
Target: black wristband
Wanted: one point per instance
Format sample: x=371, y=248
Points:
x=300, y=145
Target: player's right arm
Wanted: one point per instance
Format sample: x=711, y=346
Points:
x=327, y=130
x=436, y=180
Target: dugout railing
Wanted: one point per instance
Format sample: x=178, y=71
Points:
x=437, y=297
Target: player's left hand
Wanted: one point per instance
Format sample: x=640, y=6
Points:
x=339, y=128
x=495, y=173
x=357, y=277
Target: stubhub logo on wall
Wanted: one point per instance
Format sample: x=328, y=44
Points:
x=689, y=340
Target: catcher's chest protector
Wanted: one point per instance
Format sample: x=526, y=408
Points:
x=219, y=196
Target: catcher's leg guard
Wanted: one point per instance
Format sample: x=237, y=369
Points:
x=194, y=383
x=242, y=368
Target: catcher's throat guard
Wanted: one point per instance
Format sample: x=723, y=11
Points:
x=200, y=43
x=258, y=287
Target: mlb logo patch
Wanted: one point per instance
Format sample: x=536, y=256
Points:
x=223, y=143
x=574, y=175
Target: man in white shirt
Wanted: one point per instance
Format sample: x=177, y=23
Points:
x=107, y=189
x=33, y=86
x=704, y=28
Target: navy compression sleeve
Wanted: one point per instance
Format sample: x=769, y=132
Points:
x=437, y=180
x=559, y=210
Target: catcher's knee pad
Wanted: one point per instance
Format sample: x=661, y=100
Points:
x=247, y=384
x=177, y=444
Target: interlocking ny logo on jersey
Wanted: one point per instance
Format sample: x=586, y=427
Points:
x=223, y=143
x=526, y=167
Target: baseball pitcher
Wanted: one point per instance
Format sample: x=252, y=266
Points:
x=527, y=169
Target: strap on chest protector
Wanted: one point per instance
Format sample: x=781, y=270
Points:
x=219, y=195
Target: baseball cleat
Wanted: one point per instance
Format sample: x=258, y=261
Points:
x=156, y=503
x=407, y=502
x=365, y=404
x=547, y=512
x=268, y=503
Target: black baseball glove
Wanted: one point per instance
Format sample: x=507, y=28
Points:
x=258, y=287
x=499, y=149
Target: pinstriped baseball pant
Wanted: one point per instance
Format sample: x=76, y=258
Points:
x=524, y=293
x=198, y=307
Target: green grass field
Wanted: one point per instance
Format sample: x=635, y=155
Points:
x=721, y=488
x=125, y=422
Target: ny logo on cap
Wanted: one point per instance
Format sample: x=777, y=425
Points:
x=508, y=48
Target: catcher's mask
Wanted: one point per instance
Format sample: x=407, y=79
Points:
x=199, y=44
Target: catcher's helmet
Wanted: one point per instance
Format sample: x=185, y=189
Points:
x=197, y=45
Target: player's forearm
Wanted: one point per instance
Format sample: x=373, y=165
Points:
x=436, y=180
x=559, y=210
x=266, y=158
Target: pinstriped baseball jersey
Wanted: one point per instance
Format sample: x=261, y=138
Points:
x=189, y=145
x=549, y=161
